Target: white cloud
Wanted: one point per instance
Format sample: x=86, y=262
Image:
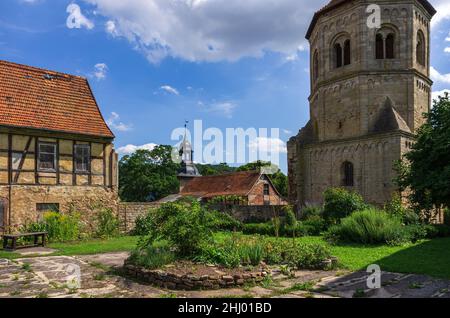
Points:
x=76, y=19
x=438, y=77
x=110, y=28
x=114, y=122
x=225, y=108
x=447, y=50
x=205, y=30
x=268, y=145
x=436, y=94
x=169, y=89
x=287, y=131
x=130, y=149
x=443, y=11
x=100, y=71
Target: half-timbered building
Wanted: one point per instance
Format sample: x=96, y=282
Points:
x=56, y=149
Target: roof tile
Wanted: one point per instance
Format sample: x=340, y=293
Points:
x=41, y=99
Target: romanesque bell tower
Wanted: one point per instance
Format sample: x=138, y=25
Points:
x=370, y=86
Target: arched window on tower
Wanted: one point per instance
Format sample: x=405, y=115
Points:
x=420, y=48
x=379, y=47
x=347, y=174
x=390, y=46
x=338, y=55
x=347, y=53
x=315, y=66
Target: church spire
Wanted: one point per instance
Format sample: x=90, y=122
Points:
x=188, y=169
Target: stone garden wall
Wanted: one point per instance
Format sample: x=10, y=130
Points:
x=130, y=211
x=171, y=281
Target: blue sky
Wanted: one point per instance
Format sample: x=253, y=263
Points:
x=153, y=64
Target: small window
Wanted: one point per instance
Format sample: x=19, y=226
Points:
x=338, y=55
x=347, y=53
x=82, y=158
x=390, y=42
x=47, y=157
x=348, y=180
x=420, y=48
x=266, y=189
x=316, y=66
x=379, y=47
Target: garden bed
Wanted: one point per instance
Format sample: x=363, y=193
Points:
x=185, y=275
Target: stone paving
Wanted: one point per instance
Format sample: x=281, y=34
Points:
x=98, y=276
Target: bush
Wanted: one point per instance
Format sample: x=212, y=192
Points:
x=439, y=230
x=299, y=255
x=226, y=254
x=259, y=228
x=340, y=203
x=184, y=227
x=370, y=226
x=396, y=208
x=311, y=212
x=316, y=225
x=60, y=227
x=289, y=219
x=143, y=224
x=152, y=256
x=219, y=221
x=252, y=254
x=107, y=224
x=447, y=216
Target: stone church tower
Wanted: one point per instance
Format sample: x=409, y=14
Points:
x=369, y=89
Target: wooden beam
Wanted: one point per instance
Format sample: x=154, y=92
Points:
x=22, y=159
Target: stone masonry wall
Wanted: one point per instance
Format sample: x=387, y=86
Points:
x=251, y=214
x=130, y=211
x=80, y=199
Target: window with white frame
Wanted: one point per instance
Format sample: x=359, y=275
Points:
x=82, y=158
x=47, y=157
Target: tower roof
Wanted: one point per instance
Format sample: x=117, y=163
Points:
x=333, y=4
x=389, y=119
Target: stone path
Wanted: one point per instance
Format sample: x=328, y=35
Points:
x=98, y=276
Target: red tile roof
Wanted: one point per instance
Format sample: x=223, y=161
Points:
x=335, y=3
x=40, y=99
x=238, y=183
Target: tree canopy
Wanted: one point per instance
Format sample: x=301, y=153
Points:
x=148, y=175
x=426, y=168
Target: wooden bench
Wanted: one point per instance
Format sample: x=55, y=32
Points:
x=13, y=238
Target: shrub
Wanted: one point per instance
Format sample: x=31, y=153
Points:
x=252, y=254
x=290, y=219
x=60, y=227
x=226, y=254
x=447, y=216
x=152, y=256
x=259, y=228
x=299, y=255
x=440, y=230
x=143, y=224
x=219, y=221
x=396, y=208
x=184, y=227
x=370, y=226
x=107, y=224
x=316, y=225
x=311, y=212
x=340, y=203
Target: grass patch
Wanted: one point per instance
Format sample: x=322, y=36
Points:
x=117, y=244
x=429, y=257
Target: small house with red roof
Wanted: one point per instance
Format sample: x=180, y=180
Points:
x=56, y=150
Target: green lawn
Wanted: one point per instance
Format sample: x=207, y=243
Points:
x=118, y=244
x=430, y=257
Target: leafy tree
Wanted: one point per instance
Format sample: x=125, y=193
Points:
x=279, y=179
x=425, y=170
x=148, y=175
x=213, y=170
